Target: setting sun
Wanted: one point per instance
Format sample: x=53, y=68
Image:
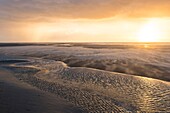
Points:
x=150, y=32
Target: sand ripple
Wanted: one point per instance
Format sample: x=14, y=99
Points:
x=95, y=90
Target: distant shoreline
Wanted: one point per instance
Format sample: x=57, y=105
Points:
x=7, y=44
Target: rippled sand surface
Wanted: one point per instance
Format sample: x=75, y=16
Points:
x=96, y=90
x=91, y=89
x=152, y=61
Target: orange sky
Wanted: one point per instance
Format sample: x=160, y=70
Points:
x=84, y=20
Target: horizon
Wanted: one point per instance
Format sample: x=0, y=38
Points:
x=84, y=56
x=83, y=42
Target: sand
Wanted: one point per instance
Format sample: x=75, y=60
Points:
x=152, y=62
x=19, y=97
x=94, y=90
x=83, y=77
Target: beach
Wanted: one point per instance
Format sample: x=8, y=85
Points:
x=19, y=97
x=66, y=78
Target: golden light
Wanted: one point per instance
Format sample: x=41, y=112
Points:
x=109, y=30
x=150, y=32
x=146, y=45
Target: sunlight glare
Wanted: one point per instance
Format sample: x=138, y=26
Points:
x=150, y=32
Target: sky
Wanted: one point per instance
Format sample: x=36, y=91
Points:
x=84, y=21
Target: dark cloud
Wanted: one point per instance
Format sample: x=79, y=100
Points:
x=32, y=10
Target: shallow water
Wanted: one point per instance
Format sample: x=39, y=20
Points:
x=123, y=83
x=96, y=90
x=150, y=60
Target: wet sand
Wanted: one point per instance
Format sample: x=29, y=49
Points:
x=94, y=90
x=95, y=80
x=152, y=62
x=19, y=97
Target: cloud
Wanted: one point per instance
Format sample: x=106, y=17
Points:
x=33, y=10
x=19, y=17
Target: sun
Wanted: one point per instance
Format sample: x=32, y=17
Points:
x=150, y=32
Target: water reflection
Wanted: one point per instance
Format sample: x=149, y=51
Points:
x=146, y=45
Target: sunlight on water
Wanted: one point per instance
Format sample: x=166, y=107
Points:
x=146, y=46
